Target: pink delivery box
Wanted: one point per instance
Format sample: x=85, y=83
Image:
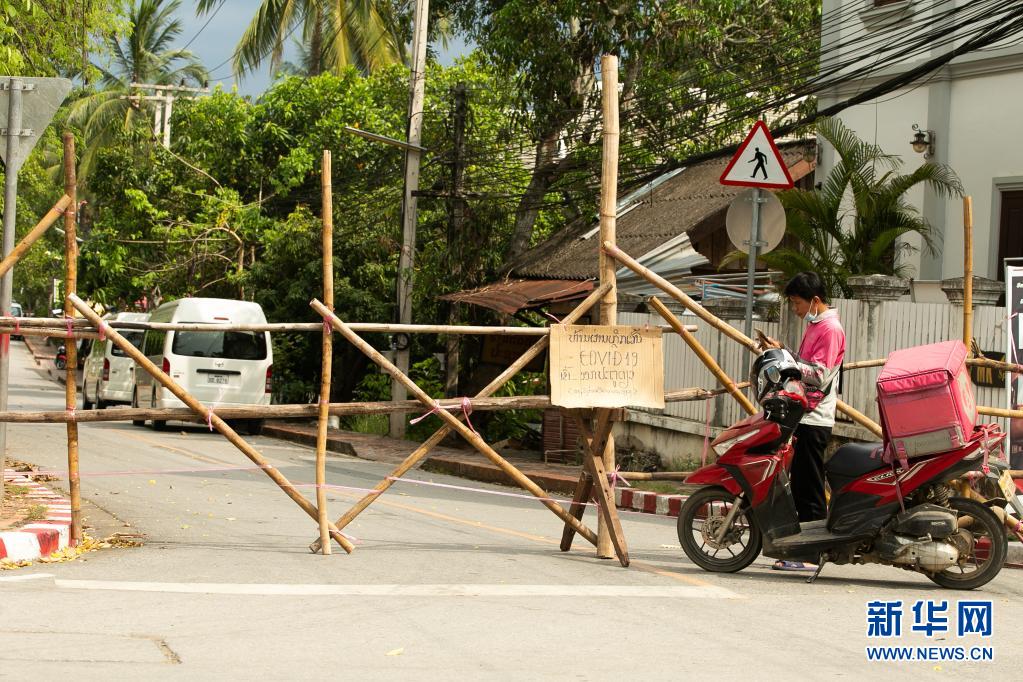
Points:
x=926, y=399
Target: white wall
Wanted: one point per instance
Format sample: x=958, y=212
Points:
x=974, y=105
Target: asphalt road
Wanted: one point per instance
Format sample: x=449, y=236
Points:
x=444, y=584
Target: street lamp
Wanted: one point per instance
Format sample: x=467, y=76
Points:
x=923, y=141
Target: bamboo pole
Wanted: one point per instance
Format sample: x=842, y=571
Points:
x=34, y=234
x=500, y=380
x=607, y=267
x=327, y=353
x=704, y=356
x=207, y=414
x=468, y=434
x=71, y=348
x=970, y=362
x=280, y=412
x=719, y=324
x=84, y=326
x=968, y=271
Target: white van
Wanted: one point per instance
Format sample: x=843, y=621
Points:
x=217, y=368
x=108, y=375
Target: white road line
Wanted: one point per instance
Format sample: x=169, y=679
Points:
x=392, y=590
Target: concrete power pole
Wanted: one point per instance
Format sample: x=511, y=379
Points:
x=417, y=88
x=163, y=100
x=456, y=226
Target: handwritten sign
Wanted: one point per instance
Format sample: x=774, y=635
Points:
x=606, y=366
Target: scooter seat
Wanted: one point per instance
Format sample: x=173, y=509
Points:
x=850, y=462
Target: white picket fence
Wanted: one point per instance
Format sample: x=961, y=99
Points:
x=872, y=331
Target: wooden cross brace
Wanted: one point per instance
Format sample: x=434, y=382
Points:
x=205, y=412
x=595, y=473
x=453, y=422
x=423, y=450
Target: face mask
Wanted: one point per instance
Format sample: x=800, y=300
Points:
x=812, y=317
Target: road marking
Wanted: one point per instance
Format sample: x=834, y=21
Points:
x=395, y=590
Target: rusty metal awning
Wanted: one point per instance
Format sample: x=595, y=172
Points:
x=511, y=296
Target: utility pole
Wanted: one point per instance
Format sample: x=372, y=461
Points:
x=163, y=99
x=456, y=233
x=417, y=91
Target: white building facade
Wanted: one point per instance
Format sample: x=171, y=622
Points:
x=970, y=110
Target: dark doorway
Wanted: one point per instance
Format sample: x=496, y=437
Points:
x=1010, y=243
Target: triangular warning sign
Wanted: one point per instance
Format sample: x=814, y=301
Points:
x=758, y=162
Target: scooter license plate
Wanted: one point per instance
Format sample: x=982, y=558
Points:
x=220, y=379
x=1007, y=485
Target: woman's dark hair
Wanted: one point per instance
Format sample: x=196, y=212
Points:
x=806, y=285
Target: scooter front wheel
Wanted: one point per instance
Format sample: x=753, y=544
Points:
x=699, y=526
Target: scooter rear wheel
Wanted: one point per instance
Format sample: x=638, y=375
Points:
x=987, y=547
x=699, y=520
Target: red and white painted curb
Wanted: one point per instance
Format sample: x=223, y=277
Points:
x=43, y=538
x=648, y=502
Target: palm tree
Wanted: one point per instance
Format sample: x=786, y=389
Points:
x=854, y=224
x=143, y=55
x=358, y=33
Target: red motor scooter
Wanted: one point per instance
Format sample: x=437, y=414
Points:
x=878, y=513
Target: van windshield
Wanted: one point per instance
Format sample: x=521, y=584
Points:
x=230, y=345
x=134, y=337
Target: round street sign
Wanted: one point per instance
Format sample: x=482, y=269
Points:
x=739, y=221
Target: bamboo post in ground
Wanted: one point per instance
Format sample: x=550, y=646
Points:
x=608, y=228
x=70, y=289
x=704, y=356
x=208, y=415
x=423, y=450
x=35, y=233
x=968, y=271
x=719, y=324
x=327, y=351
x=464, y=431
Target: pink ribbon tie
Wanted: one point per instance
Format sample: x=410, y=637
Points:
x=615, y=477
x=209, y=418
x=102, y=331
x=465, y=406
x=70, y=330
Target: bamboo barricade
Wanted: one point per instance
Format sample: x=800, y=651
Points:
x=423, y=450
x=58, y=327
x=968, y=271
x=420, y=453
x=213, y=419
x=71, y=288
x=704, y=356
x=717, y=323
x=606, y=268
x=35, y=233
x=468, y=434
x=326, y=355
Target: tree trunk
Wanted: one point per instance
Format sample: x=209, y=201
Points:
x=529, y=206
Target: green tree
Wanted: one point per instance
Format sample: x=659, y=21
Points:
x=55, y=38
x=143, y=54
x=335, y=35
x=857, y=222
x=684, y=63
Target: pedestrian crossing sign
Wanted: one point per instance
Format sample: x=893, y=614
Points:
x=758, y=162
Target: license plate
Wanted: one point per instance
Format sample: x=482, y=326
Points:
x=1007, y=485
x=217, y=379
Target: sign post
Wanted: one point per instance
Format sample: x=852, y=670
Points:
x=769, y=172
x=26, y=107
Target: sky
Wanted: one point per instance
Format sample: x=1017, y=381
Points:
x=215, y=43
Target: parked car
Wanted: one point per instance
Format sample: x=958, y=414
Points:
x=16, y=311
x=218, y=368
x=108, y=375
